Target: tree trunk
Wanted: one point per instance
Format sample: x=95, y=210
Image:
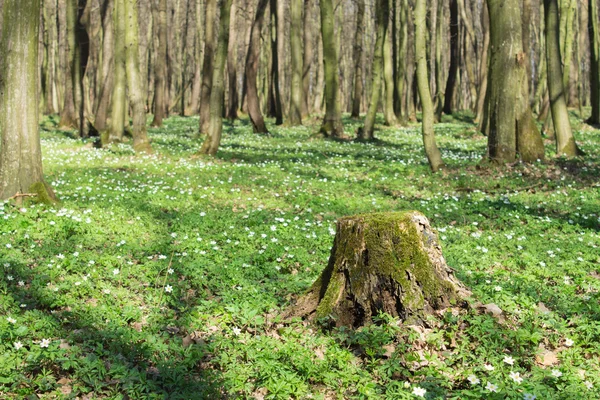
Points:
x=68, y=114
x=215, y=125
x=483, y=68
x=366, y=133
x=197, y=84
x=382, y=262
x=207, y=65
x=308, y=56
x=454, y=58
x=233, y=98
x=296, y=89
x=388, y=78
x=275, y=92
x=20, y=149
x=358, y=58
x=511, y=125
x=105, y=79
x=135, y=87
x=159, y=11
x=118, y=113
x=252, y=100
x=332, y=122
x=433, y=153
x=565, y=142
x=439, y=85
x=594, y=33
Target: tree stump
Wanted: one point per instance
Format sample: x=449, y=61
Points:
x=382, y=262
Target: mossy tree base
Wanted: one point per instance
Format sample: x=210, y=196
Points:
x=382, y=262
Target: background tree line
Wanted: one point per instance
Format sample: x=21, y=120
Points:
x=102, y=62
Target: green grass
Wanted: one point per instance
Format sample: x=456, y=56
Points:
x=162, y=276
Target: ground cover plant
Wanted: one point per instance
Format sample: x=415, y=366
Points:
x=163, y=275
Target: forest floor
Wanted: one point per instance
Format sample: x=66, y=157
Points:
x=162, y=276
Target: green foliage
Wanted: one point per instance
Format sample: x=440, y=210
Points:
x=161, y=276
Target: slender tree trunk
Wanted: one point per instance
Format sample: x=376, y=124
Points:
x=207, y=65
x=433, y=153
x=277, y=109
x=454, y=58
x=105, y=79
x=567, y=11
x=118, y=114
x=402, y=113
x=366, y=133
x=68, y=114
x=526, y=29
x=20, y=150
x=197, y=84
x=483, y=68
x=296, y=89
x=358, y=58
x=439, y=85
x=137, y=96
x=159, y=8
x=215, y=126
x=594, y=33
x=511, y=125
x=388, y=79
x=565, y=142
x=251, y=73
x=308, y=56
x=233, y=98
x=332, y=122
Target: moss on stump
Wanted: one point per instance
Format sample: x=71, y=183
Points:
x=382, y=262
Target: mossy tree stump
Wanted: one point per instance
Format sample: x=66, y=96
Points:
x=382, y=262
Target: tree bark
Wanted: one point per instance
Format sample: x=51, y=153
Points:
x=20, y=150
x=68, y=114
x=296, y=88
x=308, y=57
x=233, y=98
x=483, y=68
x=594, y=34
x=159, y=9
x=118, y=113
x=382, y=262
x=207, y=65
x=366, y=133
x=358, y=58
x=211, y=143
x=511, y=125
x=251, y=73
x=433, y=153
x=565, y=142
x=105, y=79
x=332, y=122
x=454, y=58
x=388, y=78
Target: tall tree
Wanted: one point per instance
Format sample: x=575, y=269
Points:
x=251, y=74
x=20, y=150
x=69, y=114
x=381, y=21
x=135, y=87
x=106, y=73
x=308, y=56
x=594, y=35
x=159, y=11
x=454, y=58
x=358, y=58
x=207, y=65
x=565, y=142
x=275, y=108
x=118, y=105
x=511, y=125
x=296, y=89
x=215, y=126
x=332, y=122
x=233, y=98
x=433, y=153
x=388, y=79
